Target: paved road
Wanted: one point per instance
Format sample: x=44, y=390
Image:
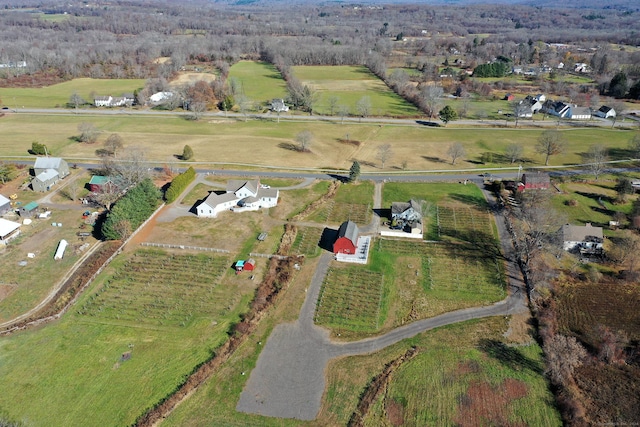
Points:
x=288, y=380
x=508, y=122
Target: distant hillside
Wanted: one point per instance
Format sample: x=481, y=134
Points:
x=578, y=4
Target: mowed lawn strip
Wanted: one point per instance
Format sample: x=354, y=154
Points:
x=271, y=143
x=93, y=368
x=58, y=95
x=349, y=84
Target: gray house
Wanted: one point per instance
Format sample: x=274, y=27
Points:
x=45, y=180
x=406, y=211
x=56, y=163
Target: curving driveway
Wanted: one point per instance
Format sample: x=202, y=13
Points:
x=289, y=377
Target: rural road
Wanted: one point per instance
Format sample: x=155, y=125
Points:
x=289, y=378
x=507, y=122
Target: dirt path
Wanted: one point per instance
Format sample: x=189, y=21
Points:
x=288, y=380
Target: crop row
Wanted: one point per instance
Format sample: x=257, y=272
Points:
x=157, y=288
x=307, y=241
x=351, y=299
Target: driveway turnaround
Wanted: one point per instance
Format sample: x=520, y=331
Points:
x=289, y=377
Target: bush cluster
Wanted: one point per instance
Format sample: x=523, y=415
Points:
x=131, y=211
x=495, y=69
x=178, y=185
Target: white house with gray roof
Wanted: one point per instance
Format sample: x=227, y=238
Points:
x=240, y=196
x=56, y=163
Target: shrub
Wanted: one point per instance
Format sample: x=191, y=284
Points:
x=187, y=153
x=38, y=149
x=178, y=184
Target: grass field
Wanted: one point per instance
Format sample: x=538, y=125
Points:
x=58, y=95
x=260, y=81
x=349, y=84
x=595, y=201
x=269, y=143
x=133, y=336
x=351, y=202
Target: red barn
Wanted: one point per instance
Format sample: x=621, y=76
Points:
x=98, y=184
x=347, y=238
x=535, y=181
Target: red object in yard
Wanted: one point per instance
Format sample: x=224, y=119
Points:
x=347, y=238
x=249, y=264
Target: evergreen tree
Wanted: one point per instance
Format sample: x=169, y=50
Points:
x=354, y=172
x=187, y=153
x=447, y=114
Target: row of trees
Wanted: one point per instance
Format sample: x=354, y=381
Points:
x=131, y=211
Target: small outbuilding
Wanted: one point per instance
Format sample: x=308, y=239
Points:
x=8, y=230
x=249, y=265
x=99, y=184
x=347, y=240
x=605, y=112
x=28, y=210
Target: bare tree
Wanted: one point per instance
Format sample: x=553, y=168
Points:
x=620, y=108
x=197, y=109
x=363, y=106
x=549, y=144
x=431, y=96
x=71, y=190
x=520, y=109
x=131, y=168
x=333, y=104
x=304, y=140
x=513, y=152
x=113, y=144
x=243, y=104
x=76, y=100
x=343, y=111
x=596, y=159
x=455, y=151
x=385, y=153
x=107, y=196
x=563, y=354
x=88, y=132
x=634, y=145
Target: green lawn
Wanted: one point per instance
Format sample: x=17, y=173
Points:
x=58, y=95
x=349, y=84
x=434, y=193
x=260, y=81
x=122, y=348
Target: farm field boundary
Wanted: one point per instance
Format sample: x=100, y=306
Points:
x=195, y=248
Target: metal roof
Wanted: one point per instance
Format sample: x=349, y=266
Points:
x=47, y=163
x=349, y=229
x=7, y=227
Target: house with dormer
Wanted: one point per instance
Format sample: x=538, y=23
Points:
x=240, y=196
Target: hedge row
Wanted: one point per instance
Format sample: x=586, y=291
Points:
x=131, y=211
x=178, y=184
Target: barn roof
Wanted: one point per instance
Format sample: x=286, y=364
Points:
x=536, y=178
x=47, y=163
x=349, y=229
x=4, y=200
x=99, y=180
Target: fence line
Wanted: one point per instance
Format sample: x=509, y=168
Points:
x=269, y=256
x=196, y=248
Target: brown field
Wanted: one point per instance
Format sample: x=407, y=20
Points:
x=189, y=78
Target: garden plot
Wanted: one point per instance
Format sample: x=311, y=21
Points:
x=336, y=213
x=350, y=298
x=160, y=289
x=306, y=242
x=462, y=222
